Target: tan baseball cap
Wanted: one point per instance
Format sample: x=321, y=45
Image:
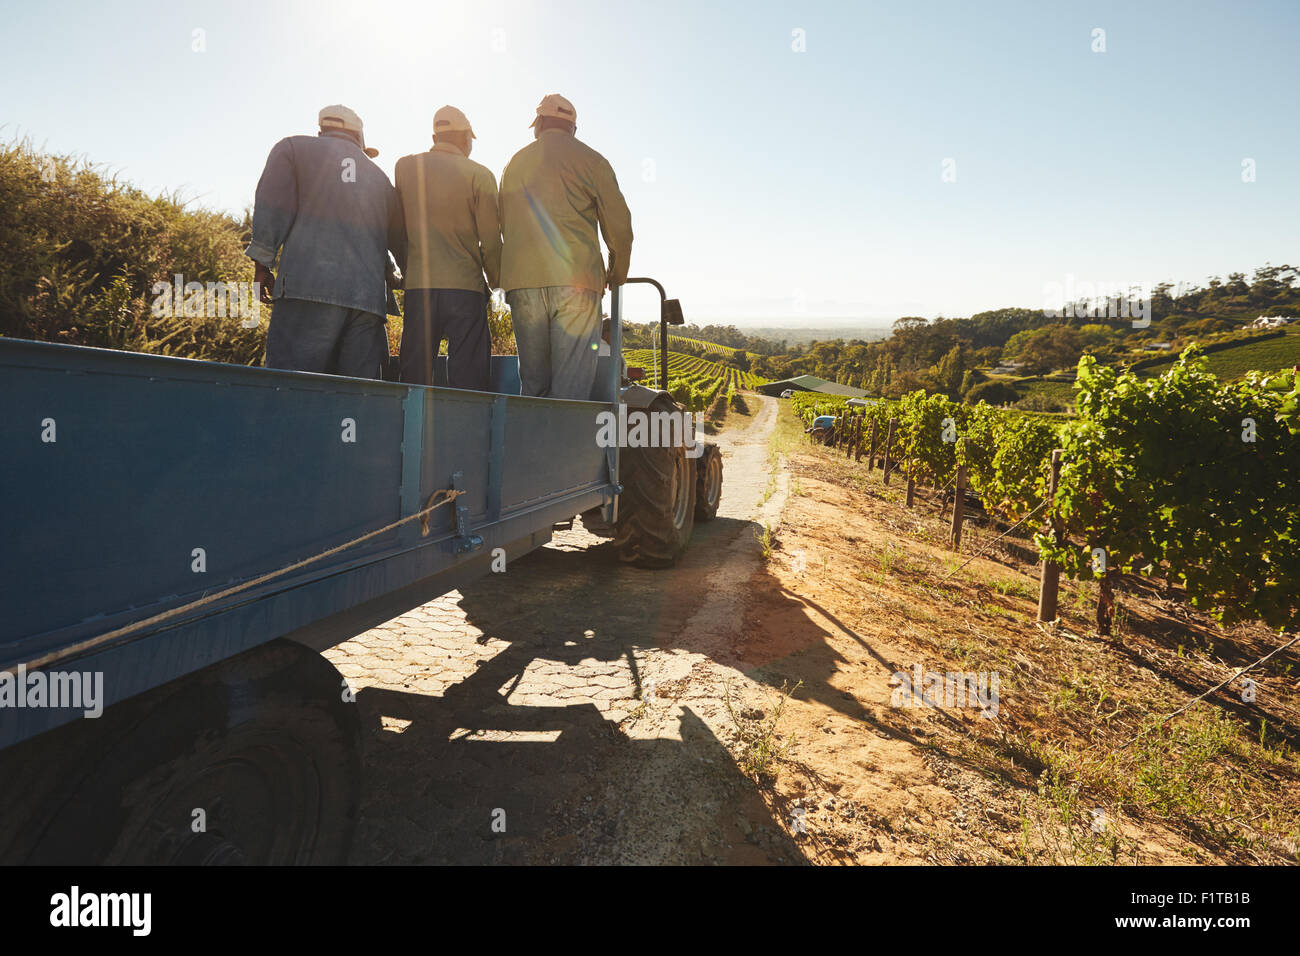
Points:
x=451, y=120
x=553, y=104
x=340, y=117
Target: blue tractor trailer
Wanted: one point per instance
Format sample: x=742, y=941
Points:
x=182, y=539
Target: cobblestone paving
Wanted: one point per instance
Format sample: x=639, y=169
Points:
x=567, y=710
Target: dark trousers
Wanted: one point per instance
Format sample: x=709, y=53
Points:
x=314, y=337
x=461, y=317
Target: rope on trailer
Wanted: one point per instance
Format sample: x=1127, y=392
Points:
x=994, y=541
x=91, y=643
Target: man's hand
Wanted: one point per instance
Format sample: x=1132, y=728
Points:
x=266, y=279
x=393, y=276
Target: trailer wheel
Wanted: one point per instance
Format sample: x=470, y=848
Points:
x=656, y=511
x=252, y=761
x=708, y=483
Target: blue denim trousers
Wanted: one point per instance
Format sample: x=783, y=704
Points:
x=314, y=337
x=461, y=317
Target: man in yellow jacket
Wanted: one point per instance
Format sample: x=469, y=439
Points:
x=556, y=193
x=454, y=256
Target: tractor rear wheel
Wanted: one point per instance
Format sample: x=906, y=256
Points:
x=708, y=483
x=656, y=511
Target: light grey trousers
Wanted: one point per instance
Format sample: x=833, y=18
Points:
x=557, y=330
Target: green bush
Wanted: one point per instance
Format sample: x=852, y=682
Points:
x=928, y=427
x=1006, y=456
x=995, y=393
x=687, y=395
x=1189, y=474
x=1040, y=403
x=80, y=252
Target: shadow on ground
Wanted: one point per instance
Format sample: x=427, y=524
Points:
x=445, y=773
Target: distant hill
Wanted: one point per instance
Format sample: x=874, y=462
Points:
x=1032, y=352
x=806, y=335
x=1264, y=355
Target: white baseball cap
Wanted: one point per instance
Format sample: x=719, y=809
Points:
x=451, y=120
x=339, y=116
x=553, y=104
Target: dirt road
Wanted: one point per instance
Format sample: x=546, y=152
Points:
x=572, y=709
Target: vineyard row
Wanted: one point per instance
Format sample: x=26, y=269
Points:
x=1180, y=475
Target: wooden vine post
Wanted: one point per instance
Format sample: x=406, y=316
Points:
x=1049, y=572
x=943, y=504
x=871, y=454
x=1106, y=602
x=958, y=507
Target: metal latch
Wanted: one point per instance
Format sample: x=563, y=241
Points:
x=465, y=542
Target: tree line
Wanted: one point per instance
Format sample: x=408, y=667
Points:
x=951, y=357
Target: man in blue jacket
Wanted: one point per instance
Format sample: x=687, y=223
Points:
x=333, y=217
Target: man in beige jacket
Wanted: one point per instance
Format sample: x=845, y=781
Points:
x=555, y=194
x=454, y=256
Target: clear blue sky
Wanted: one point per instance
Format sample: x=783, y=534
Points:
x=787, y=186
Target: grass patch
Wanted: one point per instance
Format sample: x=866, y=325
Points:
x=1014, y=588
x=1058, y=828
x=761, y=749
